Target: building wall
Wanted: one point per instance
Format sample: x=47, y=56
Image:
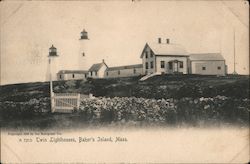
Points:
x=69, y=76
x=101, y=72
x=211, y=67
x=148, y=60
x=94, y=74
x=98, y=74
x=184, y=70
x=123, y=73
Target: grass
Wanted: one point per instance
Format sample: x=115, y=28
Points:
x=28, y=105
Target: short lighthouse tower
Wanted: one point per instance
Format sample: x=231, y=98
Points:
x=83, y=51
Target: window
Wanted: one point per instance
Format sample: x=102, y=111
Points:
x=73, y=76
x=119, y=72
x=60, y=76
x=107, y=73
x=151, y=64
x=151, y=54
x=91, y=73
x=96, y=73
x=134, y=71
x=203, y=68
x=170, y=65
x=181, y=64
x=85, y=75
x=146, y=65
x=162, y=64
x=146, y=54
x=219, y=68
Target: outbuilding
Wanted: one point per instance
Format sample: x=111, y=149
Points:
x=207, y=64
x=72, y=75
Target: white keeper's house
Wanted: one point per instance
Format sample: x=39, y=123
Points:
x=161, y=57
x=168, y=58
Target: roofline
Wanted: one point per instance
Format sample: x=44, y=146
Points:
x=205, y=53
x=144, y=49
x=207, y=60
x=99, y=68
x=69, y=72
x=123, y=67
x=72, y=72
x=172, y=55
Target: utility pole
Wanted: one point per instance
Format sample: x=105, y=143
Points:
x=234, y=73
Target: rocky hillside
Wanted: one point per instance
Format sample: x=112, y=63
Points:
x=194, y=98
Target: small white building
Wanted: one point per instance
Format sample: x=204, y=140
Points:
x=207, y=64
x=124, y=71
x=97, y=70
x=72, y=75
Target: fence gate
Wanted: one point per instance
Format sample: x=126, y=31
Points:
x=65, y=102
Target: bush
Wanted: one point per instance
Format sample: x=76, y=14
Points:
x=170, y=111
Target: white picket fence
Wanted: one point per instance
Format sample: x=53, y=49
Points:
x=65, y=102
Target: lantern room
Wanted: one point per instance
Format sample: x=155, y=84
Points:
x=84, y=34
x=52, y=51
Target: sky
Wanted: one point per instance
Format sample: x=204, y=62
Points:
x=118, y=31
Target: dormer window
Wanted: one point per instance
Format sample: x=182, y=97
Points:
x=146, y=54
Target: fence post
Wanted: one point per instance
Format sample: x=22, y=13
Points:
x=52, y=102
x=78, y=100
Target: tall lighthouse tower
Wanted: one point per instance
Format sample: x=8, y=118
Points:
x=83, y=50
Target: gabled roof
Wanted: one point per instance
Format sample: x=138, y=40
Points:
x=73, y=71
x=97, y=66
x=166, y=49
x=125, y=67
x=206, y=56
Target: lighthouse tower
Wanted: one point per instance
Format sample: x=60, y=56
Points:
x=83, y=50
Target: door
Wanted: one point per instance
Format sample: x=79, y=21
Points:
x=175, y=67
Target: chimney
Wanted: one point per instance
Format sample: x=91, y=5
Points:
x=167, y=41
x=103, y=60
x=159, y=40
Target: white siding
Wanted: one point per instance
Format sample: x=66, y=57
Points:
x=69, y=76
x=149, y=60
x=170, y=58
x=211, y=67
x=100, y=72
x=123, y=73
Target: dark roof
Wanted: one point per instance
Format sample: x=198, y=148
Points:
x=97, y=67
x=125, y=67
x=73, y=71
x=166, y=49
x=206, y=56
